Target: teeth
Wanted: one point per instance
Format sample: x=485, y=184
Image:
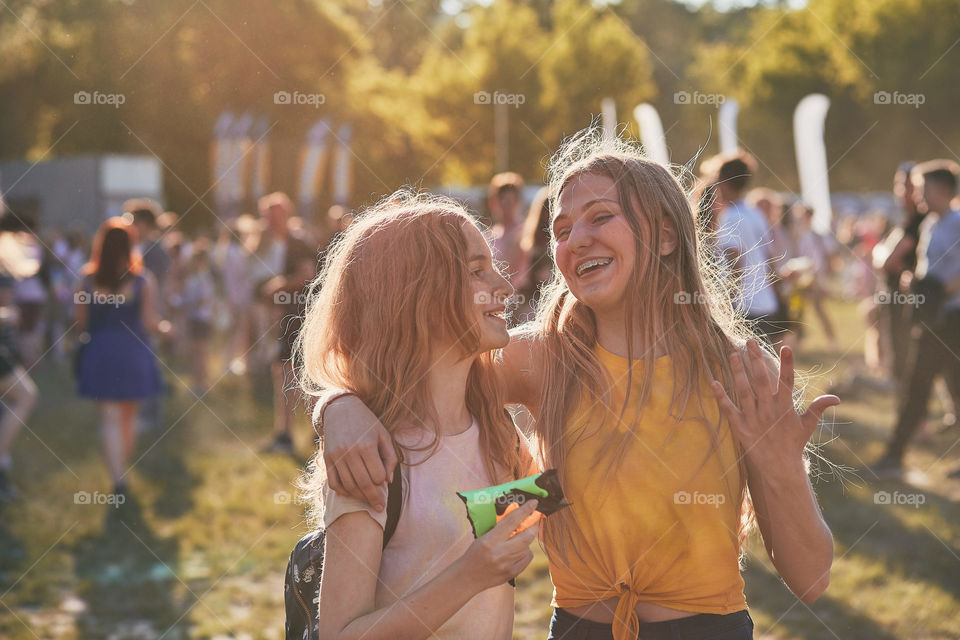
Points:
x=596, y=262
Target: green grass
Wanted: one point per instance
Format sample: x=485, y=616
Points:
x=200, y=552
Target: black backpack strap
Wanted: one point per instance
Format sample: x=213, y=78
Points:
x=302, y=579
x=394, y=503
x=300, y=586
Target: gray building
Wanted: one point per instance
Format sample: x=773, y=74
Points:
x=79, y=192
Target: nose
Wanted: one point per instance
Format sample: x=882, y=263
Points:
x=502, y=289
x=579, y=238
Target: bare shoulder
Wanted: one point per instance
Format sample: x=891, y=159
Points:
x=348, y=526
x=521, y=363
x=352, y=546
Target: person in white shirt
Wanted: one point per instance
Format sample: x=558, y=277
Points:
x=743, y=236
x=815, y=246
x=199, y=297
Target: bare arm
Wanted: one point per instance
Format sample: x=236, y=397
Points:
x=357, y=450
x=348, y=586
x=149, y=310
x=773, y=435
x=794, y=533
x=520, y=370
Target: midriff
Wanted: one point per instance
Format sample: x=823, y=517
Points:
x=603, y=611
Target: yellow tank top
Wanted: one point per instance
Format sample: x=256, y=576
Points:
x=662, y=528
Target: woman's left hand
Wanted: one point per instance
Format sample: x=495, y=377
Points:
x=766, y=423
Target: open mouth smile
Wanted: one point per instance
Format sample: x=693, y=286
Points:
x=594, y=264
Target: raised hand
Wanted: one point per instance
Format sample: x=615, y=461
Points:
x=765, y=422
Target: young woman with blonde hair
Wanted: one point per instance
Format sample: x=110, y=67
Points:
x=405, y=315
x=625, y=371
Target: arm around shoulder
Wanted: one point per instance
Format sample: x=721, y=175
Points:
x=520, y=368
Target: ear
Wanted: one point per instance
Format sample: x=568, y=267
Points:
x=668, y=238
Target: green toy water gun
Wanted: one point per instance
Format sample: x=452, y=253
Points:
x=485, y=505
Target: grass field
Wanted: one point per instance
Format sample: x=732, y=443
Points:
x=199, y=551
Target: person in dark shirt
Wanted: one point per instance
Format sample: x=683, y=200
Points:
x=898, y=269
x=285, y=291
x=902, y=258
x=157, y=261
x=934, y=339
x=155, y=257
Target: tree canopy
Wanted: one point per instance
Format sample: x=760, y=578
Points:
x=411, y=77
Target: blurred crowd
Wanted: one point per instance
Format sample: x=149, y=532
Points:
x=143, y=296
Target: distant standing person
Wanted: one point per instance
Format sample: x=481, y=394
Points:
x=296, y=263
x=199, y=298
x=902, y=257
x=537, y=261
x=155, y=257
x=156, y=260
x=32, y=294
x=743, y=237
x=935, y=340
x=115, y=308
x=814, y=246
x=234, y=257
x=781, y=250
x=505, y=199
x=17, y=390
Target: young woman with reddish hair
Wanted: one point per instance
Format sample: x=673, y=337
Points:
x=115, y=311
x=405, y=314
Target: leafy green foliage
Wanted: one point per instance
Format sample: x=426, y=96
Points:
x=410, y=77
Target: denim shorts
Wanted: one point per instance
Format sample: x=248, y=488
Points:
x=702, y=626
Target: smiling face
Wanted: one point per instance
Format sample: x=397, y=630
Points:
x=489, y=291
x=595, y=244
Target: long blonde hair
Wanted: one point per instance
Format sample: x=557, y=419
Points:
x=393, y=286
x=699, y=337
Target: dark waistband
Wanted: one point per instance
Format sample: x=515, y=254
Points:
x=698, y=622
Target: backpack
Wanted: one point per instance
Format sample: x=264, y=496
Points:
x=301, y=584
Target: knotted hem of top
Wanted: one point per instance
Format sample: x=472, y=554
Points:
x=626, y=623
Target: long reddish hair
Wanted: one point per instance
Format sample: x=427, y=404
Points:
x=394, y=284
x=113, y=256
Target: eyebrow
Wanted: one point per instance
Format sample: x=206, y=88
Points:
x=476, y=257
x=596, y=200
x=563, y=216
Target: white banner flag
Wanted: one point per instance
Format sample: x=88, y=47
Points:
x=808, y=127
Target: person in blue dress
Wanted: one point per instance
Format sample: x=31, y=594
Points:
x=116, y=366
